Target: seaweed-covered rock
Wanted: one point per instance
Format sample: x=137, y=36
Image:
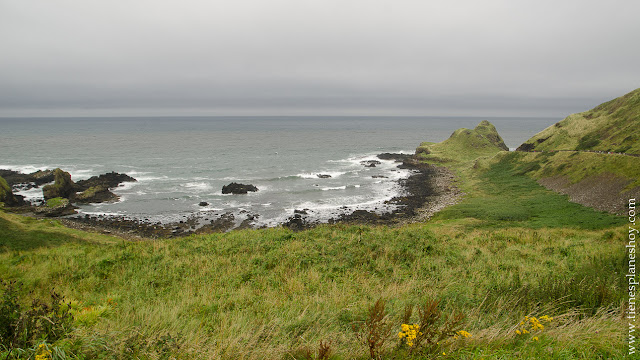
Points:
x=95, y=194
x=236, y=188
x=57, y=206
x=63, y=186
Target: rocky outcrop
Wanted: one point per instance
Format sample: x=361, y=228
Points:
x=34, y=179
x=6, y=195
x=56, y=207
x=323, y=176
x=108, y=180
x=63, y=187
x=236, y=188
x=394, y=156
x=490, y=133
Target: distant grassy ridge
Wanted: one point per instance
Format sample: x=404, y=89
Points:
x=611, y=126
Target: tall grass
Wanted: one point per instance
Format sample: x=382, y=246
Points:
x=259, y=294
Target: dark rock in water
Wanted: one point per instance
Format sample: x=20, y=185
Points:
x=323, y=176
x=235, y=188
x=108, y=180
x=63, y=186
x=95, y=194
x=370, y=163
x=56, y=207
x=379, y=177
x=301, y=212
x=396, y=157
x=203, y=203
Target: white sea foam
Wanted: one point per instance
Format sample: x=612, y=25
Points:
x=333, y=174
x=200, y=186
x=31, y=195
x=127, y=185
x=334, y=188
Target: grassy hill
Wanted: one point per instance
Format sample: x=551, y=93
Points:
x=586, y=155
x=612, y=126
x=464, y=145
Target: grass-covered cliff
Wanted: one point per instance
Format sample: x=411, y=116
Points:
x=590, y=156
x=613, y=126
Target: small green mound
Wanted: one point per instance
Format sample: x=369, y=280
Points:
x=57, y=202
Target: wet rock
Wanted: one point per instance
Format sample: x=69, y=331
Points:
x=370, y=163
x=108, y=180
x=236, y=188
x=379, y=177
x=396, y=157
x=203, y=203
x=323, y=176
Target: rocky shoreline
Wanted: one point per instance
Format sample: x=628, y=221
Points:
x=429, y=189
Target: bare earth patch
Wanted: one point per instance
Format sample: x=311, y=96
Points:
x=605, y=192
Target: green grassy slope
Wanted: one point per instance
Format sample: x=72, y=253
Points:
x=503, y=196
x=612, y=126
x=258, y=294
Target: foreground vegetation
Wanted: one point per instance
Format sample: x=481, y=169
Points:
x=486, y=264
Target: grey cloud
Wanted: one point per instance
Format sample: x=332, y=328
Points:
x=301, y=56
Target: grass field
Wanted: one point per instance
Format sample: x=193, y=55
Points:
x=510, y=249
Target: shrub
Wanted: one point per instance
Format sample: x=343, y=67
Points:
x=375, y=330
x=432, y=329
x=42, y=321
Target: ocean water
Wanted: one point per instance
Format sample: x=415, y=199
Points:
x=182, y=161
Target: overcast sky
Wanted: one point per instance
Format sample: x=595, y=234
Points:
x=315, y=57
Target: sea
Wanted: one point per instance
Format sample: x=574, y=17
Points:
x=181, y=162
